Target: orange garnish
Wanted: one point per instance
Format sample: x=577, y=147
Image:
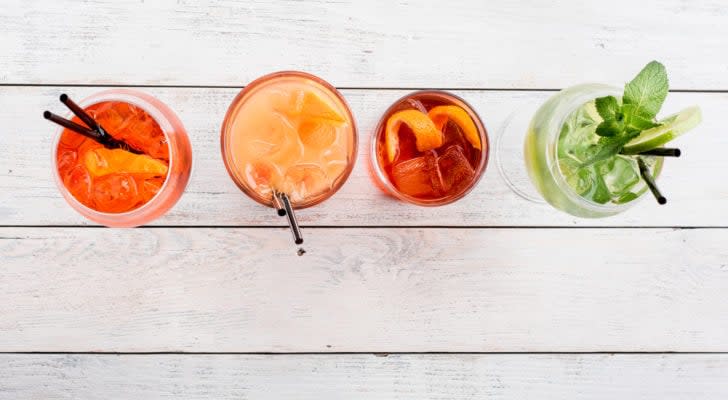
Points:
x=103, y=161
x=441, y=114
x=427, y=135
x=314, y=107
x=307, y=105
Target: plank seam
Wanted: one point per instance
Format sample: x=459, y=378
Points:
x=464, y=227
x=363, y=88
x=375, y=353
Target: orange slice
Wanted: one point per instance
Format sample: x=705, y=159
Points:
x=305, y=104
x=441, y=114
x=427, y=136
x=314, y=107
x=103, y=161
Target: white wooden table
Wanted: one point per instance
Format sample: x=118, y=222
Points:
x=490, y=297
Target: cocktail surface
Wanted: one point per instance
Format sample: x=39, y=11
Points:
x=114, y=180
x=291, y=135
x=429, y=148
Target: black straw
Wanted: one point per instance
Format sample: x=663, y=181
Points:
x=662, y=152
x=94, y=130
x=81, y=114
x=71, y=125
x=645, y=172
x=297, y=238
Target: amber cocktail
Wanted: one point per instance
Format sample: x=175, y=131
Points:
x=430, y=148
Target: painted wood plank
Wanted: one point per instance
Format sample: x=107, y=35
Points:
x=363, y=290
x=28, y=195
x=362, y=376
x=494, y=44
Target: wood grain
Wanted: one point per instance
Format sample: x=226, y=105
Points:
x=473, y=44
x=361, y=376
x=28, y=196
x=363, y=290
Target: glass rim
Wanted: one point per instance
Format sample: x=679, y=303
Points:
x=135, y=98
x=233, y=109
x=479, y=170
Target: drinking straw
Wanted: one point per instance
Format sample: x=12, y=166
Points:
x=278, y=204
x=662, y=151
x=645, y=172
x=81, y=114
x=94, y=130
x=71, y=125
x=297, y=238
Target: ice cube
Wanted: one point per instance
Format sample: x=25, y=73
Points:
x=304, y=180
x=273, y=138
x=418, y=177
x=622, y=175
x=78, y=181
x=261, y=176
x=317, y=134
x=581, y=178
x=115, y=192
x=148, y=187
x=455, y=170
x=416, y=104
x=452, y=134
x=287, y=102
x=66, y=159
x=577, y=135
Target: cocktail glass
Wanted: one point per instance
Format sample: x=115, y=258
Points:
x=115, y=187
x=557, y=142
x=289, y=137
x=430, y=148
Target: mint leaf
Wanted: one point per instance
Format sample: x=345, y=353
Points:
x=641, y=101
x=636, y=119
x=647, y=91
x=609, y=147
x=609, y=127
x=607, y=107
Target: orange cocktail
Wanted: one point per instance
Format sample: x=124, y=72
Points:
x=289, y=133
x=124, y=187
x=430, y=148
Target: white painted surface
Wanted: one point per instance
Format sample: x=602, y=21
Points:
x=460, y=287
x=371, y=290
x=382, y=43
x=395, y=377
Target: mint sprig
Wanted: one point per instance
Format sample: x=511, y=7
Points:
x=622, y=122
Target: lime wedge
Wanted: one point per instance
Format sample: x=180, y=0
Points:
x=669, y=128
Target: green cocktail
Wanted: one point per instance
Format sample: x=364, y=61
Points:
x=585, y=144
x=561, y=138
